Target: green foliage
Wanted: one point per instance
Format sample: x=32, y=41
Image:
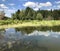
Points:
x=30, y=14
x=56, y=14
x=22, y=15
x=39, y=16
x=16, y=15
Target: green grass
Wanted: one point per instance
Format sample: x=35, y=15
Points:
x=25, y=23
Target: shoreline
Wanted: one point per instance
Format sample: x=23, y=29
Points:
x=32, y=24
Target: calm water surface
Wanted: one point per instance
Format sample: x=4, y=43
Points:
x=29, y=39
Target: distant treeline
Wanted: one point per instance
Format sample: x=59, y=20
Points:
x=30, y=14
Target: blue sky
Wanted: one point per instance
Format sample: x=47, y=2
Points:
x=10, y=6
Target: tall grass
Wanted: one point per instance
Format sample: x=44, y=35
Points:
x=21, y=23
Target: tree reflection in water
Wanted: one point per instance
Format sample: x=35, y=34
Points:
x=30, y=39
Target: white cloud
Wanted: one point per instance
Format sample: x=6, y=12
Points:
x=46, y=4
x=3, y=6
x=48, y=9
x=36, y=5
x=3, y=0
x=57, y=2
x=58, y=6
x=33, y=4
x=29, y=4
x=36, y=9
x=9, y=12
x=11, y=4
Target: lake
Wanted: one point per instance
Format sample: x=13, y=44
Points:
x=30, y=39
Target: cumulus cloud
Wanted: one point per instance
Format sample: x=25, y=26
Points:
x=46, y=4
x=33, y=4
x=9, y=12
x=29, y=4
x=3, y=6
x=36, y=5
x=57, y=2
x=36, y=9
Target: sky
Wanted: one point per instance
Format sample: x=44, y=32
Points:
x=11, y=6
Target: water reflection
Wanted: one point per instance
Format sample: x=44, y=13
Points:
x=11, y=33
x=35, y=41
x=45, y=28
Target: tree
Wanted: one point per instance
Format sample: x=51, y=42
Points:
x=16, y=15
x=27, y=10
x=30, y=14
x=49, y=18
x=56, y=14
x=22, y=15
x=34, y=15
x=39, y=16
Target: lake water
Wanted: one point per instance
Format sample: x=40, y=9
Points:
x=29, y=39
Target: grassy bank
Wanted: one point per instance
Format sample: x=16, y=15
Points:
x=25, y=23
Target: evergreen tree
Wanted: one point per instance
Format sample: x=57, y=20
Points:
x=39, y=16
x=30, y=14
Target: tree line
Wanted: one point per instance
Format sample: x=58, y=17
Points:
x=30, y=14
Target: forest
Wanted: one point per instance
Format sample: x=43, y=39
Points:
x=30, y=14
x=30, y=17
